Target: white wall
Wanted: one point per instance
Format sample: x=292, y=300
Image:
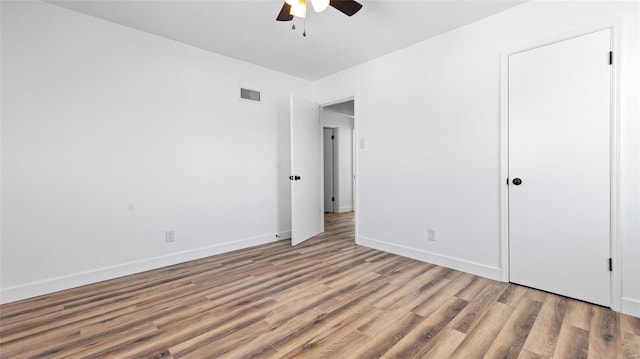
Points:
x=111, y=136
x=345, y=108
x=345, y=157
x=430, y=118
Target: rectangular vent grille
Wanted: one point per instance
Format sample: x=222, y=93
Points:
x=250, y=95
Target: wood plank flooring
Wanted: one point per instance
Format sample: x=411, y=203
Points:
x=326, y=298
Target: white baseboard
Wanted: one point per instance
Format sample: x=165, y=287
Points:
x=434, y=258
x=55, y=284
x=344, y=209
x=631, y=306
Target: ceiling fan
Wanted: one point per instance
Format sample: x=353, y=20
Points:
x=298, y=8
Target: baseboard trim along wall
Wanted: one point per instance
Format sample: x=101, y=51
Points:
x=344, y=209
x=51, y=285
x=429, y=257
x=631, y=306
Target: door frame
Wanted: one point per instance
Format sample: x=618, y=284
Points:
x=336, y=167
x=354, y=155
x=614, y=152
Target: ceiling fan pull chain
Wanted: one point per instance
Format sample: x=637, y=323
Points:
x=293, y=27
x=304, y=27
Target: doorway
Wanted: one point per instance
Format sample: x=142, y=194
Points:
x=338, y=121
x=329, y=144
x=307, y=165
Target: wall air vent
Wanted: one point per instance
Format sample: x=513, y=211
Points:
x=250, y=95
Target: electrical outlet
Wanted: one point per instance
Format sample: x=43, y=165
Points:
x=170, y=236
x=431, y=234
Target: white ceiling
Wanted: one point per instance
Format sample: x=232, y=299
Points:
x=247, y=30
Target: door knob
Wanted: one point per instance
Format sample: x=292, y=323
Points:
x=297, y=178
x=517, y=181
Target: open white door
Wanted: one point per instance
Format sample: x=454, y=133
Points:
x=306, y=214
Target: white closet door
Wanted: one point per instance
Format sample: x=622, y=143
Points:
x=559, y=148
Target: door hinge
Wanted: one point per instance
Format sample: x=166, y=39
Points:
x=332, y=137
x=610, y=57
x=332, y=199
x=610, y=265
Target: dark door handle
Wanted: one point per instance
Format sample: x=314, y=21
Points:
x=291, y=178
x=297, y=178
x=517, y=181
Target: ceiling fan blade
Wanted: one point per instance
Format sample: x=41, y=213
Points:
x=284, y=14
x=347, y=7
